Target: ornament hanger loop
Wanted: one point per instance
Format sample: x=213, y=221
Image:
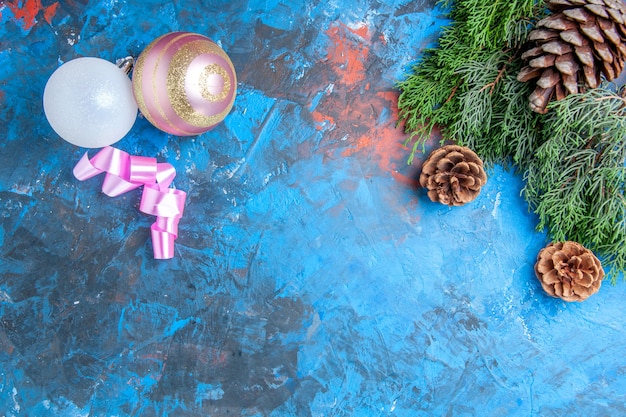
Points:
x=126, y=64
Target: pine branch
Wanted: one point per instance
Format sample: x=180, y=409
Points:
x=575, y=182
x=518, y=125
x=495, y=120
x=436, y=93
x=489, y=23
x=572, y=158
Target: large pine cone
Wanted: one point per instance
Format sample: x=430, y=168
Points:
x=569, y=271
x=453, y=175
x=580, y=41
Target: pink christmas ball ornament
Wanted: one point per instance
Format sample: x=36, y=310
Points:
x=184, y=83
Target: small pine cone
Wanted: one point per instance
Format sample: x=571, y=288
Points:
x=580, y=41
x=453, y=175
x=569, y=271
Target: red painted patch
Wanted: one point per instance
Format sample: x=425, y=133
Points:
x=348, y=51
x=322, y=121
x=362, y=130
x=385, y=145
x=50, y=12
x=359, y=115
x=25, y=12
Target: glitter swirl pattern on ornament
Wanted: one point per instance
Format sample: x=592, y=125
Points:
x=184, y=83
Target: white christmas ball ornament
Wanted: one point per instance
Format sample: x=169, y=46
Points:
x=89, y=102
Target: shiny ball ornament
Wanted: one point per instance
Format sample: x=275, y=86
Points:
x=184, y=83
x=89, y=102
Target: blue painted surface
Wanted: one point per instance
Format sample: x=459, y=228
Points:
x=311, y=276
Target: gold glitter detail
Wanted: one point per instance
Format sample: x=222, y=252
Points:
x=204, y=79
x=154, y=86
x=176, y=83
x=138, y=72
x=138, y=80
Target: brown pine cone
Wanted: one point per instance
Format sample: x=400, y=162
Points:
x=569, y=271
x=453, y=175
x=572, y=47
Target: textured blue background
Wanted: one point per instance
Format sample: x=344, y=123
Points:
x=311, y=277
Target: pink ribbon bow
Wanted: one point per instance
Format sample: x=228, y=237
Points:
x=125, y=172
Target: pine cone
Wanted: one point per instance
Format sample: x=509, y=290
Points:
x=453, y=175
x=571, y=48
x=569, y=271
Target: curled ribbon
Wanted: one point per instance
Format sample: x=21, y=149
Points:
x=125, y=172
